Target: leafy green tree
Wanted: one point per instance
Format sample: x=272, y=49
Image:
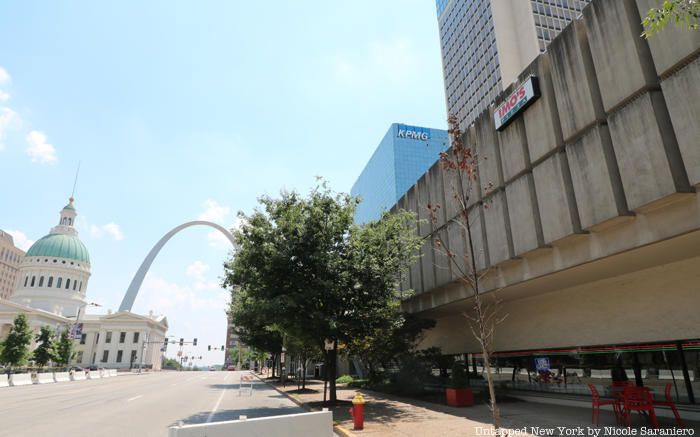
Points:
x=682, y=13
x=397, y=335
x=315, y=275
x=46, y=350
x=64, y=349
x=15, y=348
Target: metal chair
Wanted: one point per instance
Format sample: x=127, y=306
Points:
x=670, y=403
x=597, y=402
x=638, y=399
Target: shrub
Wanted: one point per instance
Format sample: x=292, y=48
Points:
x=345, y=379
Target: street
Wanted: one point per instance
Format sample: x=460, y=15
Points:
x=134, y=405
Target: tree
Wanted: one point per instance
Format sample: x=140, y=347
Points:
x=15, y=350
x=64, y=349
x=683, y=14
x=398, y=335
x=460, y=164
x=46, y=350
x=313, y=274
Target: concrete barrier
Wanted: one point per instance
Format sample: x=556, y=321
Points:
x=44, y=378
x=78, y=376
x=93, y=374
x=61, y=376
x=318, y=423
x=4, y=382
x=104, y=373
x=112, y=372
x=21, y=379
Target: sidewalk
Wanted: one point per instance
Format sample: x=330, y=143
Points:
x=394, y=416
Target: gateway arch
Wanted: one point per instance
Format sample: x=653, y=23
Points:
x=136, y=282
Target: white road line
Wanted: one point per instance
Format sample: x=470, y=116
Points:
x=134, y=398
x=218, y=402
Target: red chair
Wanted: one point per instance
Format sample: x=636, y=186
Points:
x=598, y=402
x=669, y=403
x=638, y=399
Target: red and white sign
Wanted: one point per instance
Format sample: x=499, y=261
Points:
x=521, y=98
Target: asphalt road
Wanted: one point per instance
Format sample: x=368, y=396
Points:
x=134, y=405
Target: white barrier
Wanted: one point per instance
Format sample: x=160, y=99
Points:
x=4, y=382
x=21, y=379
x=93, y=374
x=103, y=373
x=78, y=376
x=44, y=378
x=112, y=372
x=61, y=376
x=677, y=373
x=318, y=423
x=600, y=373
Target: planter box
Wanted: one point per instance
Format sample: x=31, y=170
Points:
x=459, y=397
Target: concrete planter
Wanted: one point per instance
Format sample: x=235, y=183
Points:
x=459, y=397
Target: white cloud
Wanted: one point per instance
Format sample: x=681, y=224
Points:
x=197, y=270
x=4, y=96
x=219, y=240
x=8, y=120
x=167, y=297
x=4, y=76
x=214, y=213
x=111, y=229
x=39, y=150
x=21, y=240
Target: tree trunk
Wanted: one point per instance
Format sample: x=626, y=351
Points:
x=303, y=374
x=492, y=391
x=333, y=367
x=274, y=365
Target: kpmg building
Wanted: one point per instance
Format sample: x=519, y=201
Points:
x=403, y=156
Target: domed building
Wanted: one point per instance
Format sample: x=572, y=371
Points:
x=51, y=289
x=54, y=274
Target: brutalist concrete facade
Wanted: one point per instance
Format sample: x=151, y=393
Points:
x=604, y=164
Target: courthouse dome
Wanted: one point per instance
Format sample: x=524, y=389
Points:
x=60, y=246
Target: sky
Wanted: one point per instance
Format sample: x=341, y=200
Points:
x=182, y=110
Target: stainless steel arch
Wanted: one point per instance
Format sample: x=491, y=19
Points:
x=136, y=282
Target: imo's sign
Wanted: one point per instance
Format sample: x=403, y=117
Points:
x=413, y=133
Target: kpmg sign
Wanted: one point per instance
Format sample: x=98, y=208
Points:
x=521, y=98
x=413, y=132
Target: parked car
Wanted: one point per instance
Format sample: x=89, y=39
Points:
x=231, y=367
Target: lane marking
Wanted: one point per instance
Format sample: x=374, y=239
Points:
x=134, y=398
x=218, y=402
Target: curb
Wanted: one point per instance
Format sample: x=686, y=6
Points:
x=336, y=428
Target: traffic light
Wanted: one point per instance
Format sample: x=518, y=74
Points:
x=182, y=342
x=222, y=348
x=165, y=345
x=194, y=343
x=209, y=347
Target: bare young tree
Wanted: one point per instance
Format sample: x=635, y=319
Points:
x=460, y=164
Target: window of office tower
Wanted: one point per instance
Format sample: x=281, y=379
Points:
x=470, y=60
x=552, y=16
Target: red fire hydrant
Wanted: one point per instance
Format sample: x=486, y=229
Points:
x=358, y=412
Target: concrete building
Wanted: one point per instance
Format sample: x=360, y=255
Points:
x=586, y=213
x=403, y=155
x=51, y=290
x=487, y=43
x=10, y=258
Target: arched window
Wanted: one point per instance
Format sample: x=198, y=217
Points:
x=70, y=221
x=26, y=278
x=41, y=281
x=33, y=280
x=67, y=283
x=81, y=286
x=58, y=282
x=50, y=281
x=75, y=284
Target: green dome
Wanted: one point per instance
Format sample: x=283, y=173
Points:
x=60, y=246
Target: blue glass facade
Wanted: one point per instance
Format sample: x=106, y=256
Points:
x=402, y=157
